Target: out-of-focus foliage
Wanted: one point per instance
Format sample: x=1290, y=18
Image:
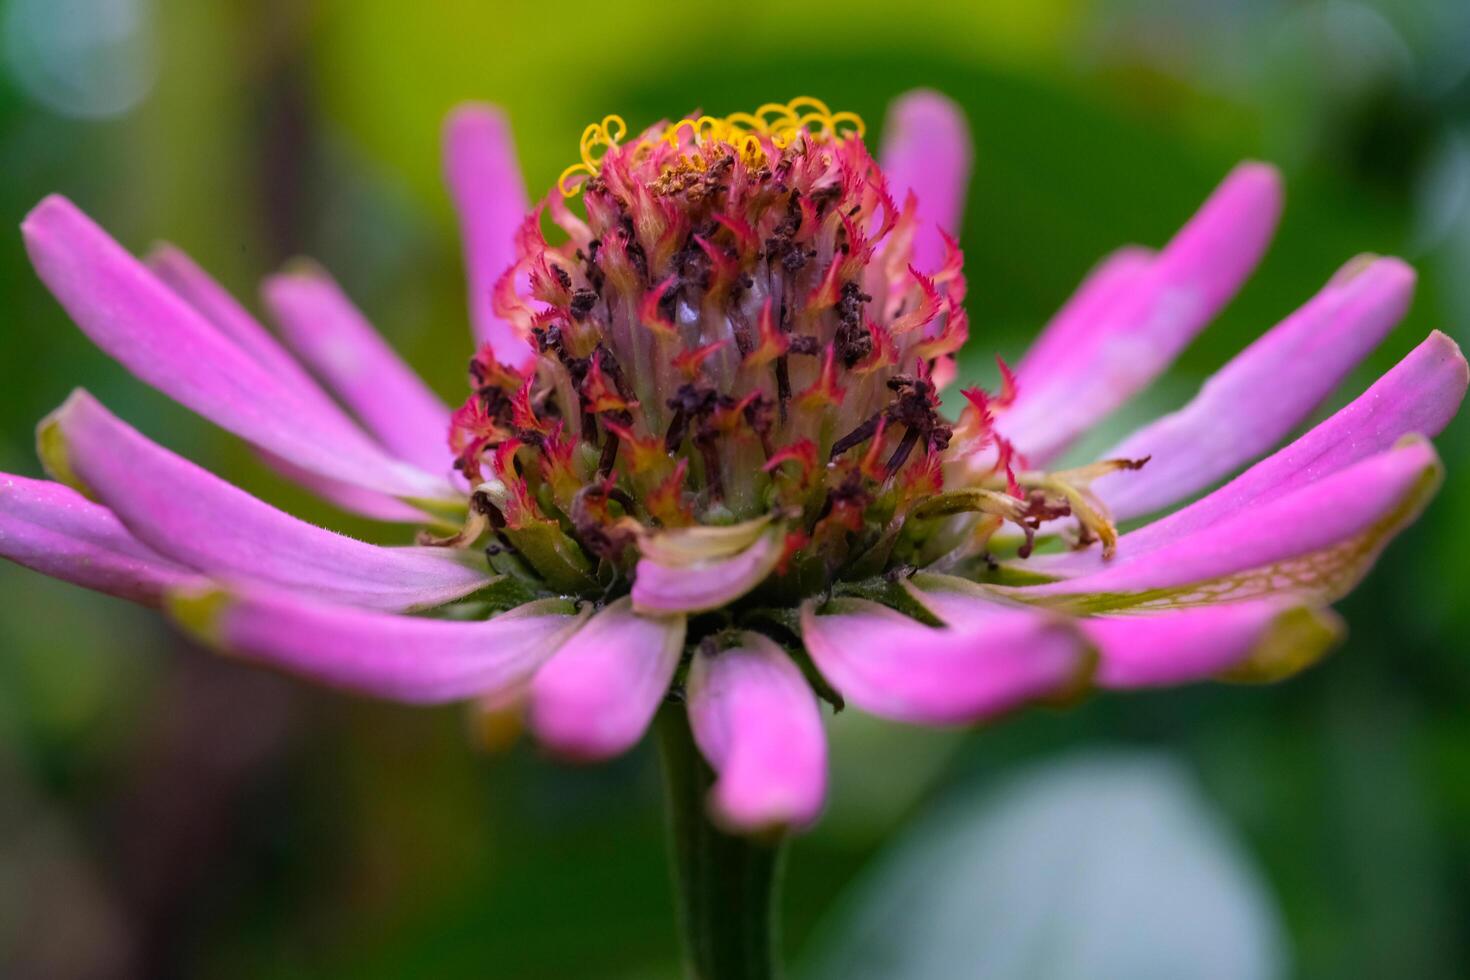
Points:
x=163, y=813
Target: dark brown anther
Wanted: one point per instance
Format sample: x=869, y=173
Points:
x=901, y=452
x=623, y=500
x=853, y=343
x=582, y=302
x=758, y=417
x=783, y=385
x=562, y=275
x=639, y=258
x=609, y=454
x=614, y=371
x=823, y=197
x=744, y=342
x=481, y=503
x=857, y=436
x=678, y=427
x=596, y=532
x=704, y=441
x=689, y=402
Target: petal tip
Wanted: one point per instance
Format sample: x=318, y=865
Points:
x=199, y=612
x=1297, y=638
x=52, y=446
x=48, y=209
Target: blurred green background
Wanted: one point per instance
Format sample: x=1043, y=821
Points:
x=167, y=814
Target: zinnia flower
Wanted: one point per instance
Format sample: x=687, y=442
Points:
x=704, y=454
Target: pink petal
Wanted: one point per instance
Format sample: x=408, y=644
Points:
x=1100, y=290
x=1249, y=405
x=1145, y=325
x=485, y=182
x=56, y=531
x=1261, y=638
x=660, y=589
x=756, y=720
x=197, y=519
x=926, y=150
x=347, y=496
x=1316, y=541
x=890, y=665
x=402, y=658
x=329, y=333
x=132, y=316
x=194, y=286
x=599, y=693
x=1420, y=394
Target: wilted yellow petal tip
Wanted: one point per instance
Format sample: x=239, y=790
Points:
x=1298, y=638
x=198, y=612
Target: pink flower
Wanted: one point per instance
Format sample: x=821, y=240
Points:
x=704, y=434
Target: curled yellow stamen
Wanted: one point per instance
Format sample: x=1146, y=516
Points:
x=753, y=135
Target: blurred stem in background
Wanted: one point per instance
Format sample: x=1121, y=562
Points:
x=727, y=889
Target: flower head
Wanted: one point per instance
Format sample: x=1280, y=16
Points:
x=705, y=434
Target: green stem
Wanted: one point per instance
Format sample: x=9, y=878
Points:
x=726, y=887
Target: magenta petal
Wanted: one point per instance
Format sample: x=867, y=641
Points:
x=215, y=304
x=1316, y=541
x=176, y=270
x=164, y=341
x=1145, y=325
x=890, y=665
x=1420, y=394
x=660, y=588
x=195, y=518
x=56, y=531
x=1185, y=645
x=347, y=496
x=485, y=182
x=756, y=720
x=329, y=333
x=1249, y=405
x=402, y=658
x=1100, y=290
x=599, y=693
x=926, y=151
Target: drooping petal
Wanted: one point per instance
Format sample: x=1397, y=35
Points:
x=661, y=588
x=1151, y=318
x=402, y=658
x=1315, y=542
x=926, y=150
x=1420, y=395
x=1254, y=401
x=176, y=270
x=485, y=182
x=890, y=665
x=164, y=341
x=329, y=333
x=596, y=697
x=194, y=517
x=1260, y=639
x=56, y=531
x=756, y=720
